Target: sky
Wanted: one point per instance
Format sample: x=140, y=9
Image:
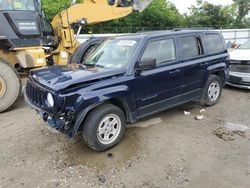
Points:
x=183, y=5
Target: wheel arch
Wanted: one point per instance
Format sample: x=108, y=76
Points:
x=9, y=58
x=116, y=101
x=123, y=105
x=222, y=75
x=218, y=70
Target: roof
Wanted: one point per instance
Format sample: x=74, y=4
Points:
x=152, y=34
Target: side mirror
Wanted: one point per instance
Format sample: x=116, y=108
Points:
x=146, y=64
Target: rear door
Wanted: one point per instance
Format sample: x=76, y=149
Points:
x=193, y=60
x=159, y=88
x=216, y=49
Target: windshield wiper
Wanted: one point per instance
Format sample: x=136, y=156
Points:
x=94, y=65
x=89, y=65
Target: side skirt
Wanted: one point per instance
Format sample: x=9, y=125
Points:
x=168, y=103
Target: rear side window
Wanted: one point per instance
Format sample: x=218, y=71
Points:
x=162, y=50
x=214, y=43
x=191, y=47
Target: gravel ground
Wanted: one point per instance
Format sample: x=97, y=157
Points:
x=166, y=150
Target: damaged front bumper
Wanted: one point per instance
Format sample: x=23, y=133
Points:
x=58, y=123
x=61, y=121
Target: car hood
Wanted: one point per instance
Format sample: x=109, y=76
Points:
x=61, y=77
x=240, y=55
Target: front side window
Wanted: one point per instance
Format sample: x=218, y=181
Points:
x=113, y=53
x=162, y=50
x=214, y=43
x=17, y=5
x=191, y=47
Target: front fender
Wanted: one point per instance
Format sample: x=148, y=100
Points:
x=81, y=116
x=107, y=93
x=93, y=99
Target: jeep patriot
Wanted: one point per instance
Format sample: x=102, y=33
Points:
x=128, y=78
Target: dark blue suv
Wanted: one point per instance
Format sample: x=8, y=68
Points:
x=126, y=79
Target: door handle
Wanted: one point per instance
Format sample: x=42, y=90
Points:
x=175, y=71
x=204, y=64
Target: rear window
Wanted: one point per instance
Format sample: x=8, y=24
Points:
x=191, y=47
x=214, y=43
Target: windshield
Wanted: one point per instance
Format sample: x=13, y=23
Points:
x=17, y=5
x=112, y=53
x=245, y=46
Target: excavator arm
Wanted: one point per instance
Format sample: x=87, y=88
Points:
x=87, y=13
x=27, y=52
x=91, y=12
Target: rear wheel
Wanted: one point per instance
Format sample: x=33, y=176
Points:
x=212, y=91
x=104, y=127
x=10, y=86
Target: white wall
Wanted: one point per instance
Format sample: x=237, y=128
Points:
x=239, y=36
x=83, y=37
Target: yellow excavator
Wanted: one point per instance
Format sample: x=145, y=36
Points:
x=28, y=41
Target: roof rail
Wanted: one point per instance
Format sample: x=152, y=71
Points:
x=192, y=28
x=151, y=31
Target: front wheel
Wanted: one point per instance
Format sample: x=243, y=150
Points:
x=104, y=127
x=212, y=91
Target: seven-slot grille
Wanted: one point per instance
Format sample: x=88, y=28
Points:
x=36, y=95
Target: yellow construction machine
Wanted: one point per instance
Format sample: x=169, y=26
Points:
x=28, y=41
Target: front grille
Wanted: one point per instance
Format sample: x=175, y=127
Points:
x=240, y=68
x=36, y=95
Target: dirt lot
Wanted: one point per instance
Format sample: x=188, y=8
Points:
x=167, y=150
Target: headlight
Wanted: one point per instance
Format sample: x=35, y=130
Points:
x=50, y=100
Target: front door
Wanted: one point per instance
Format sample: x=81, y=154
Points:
x=159, y=88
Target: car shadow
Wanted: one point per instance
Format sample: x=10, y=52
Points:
x=236, y=89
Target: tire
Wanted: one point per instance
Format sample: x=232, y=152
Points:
x=10, y=86
x=96, y=121
x=84, y=50
x=211, y=96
